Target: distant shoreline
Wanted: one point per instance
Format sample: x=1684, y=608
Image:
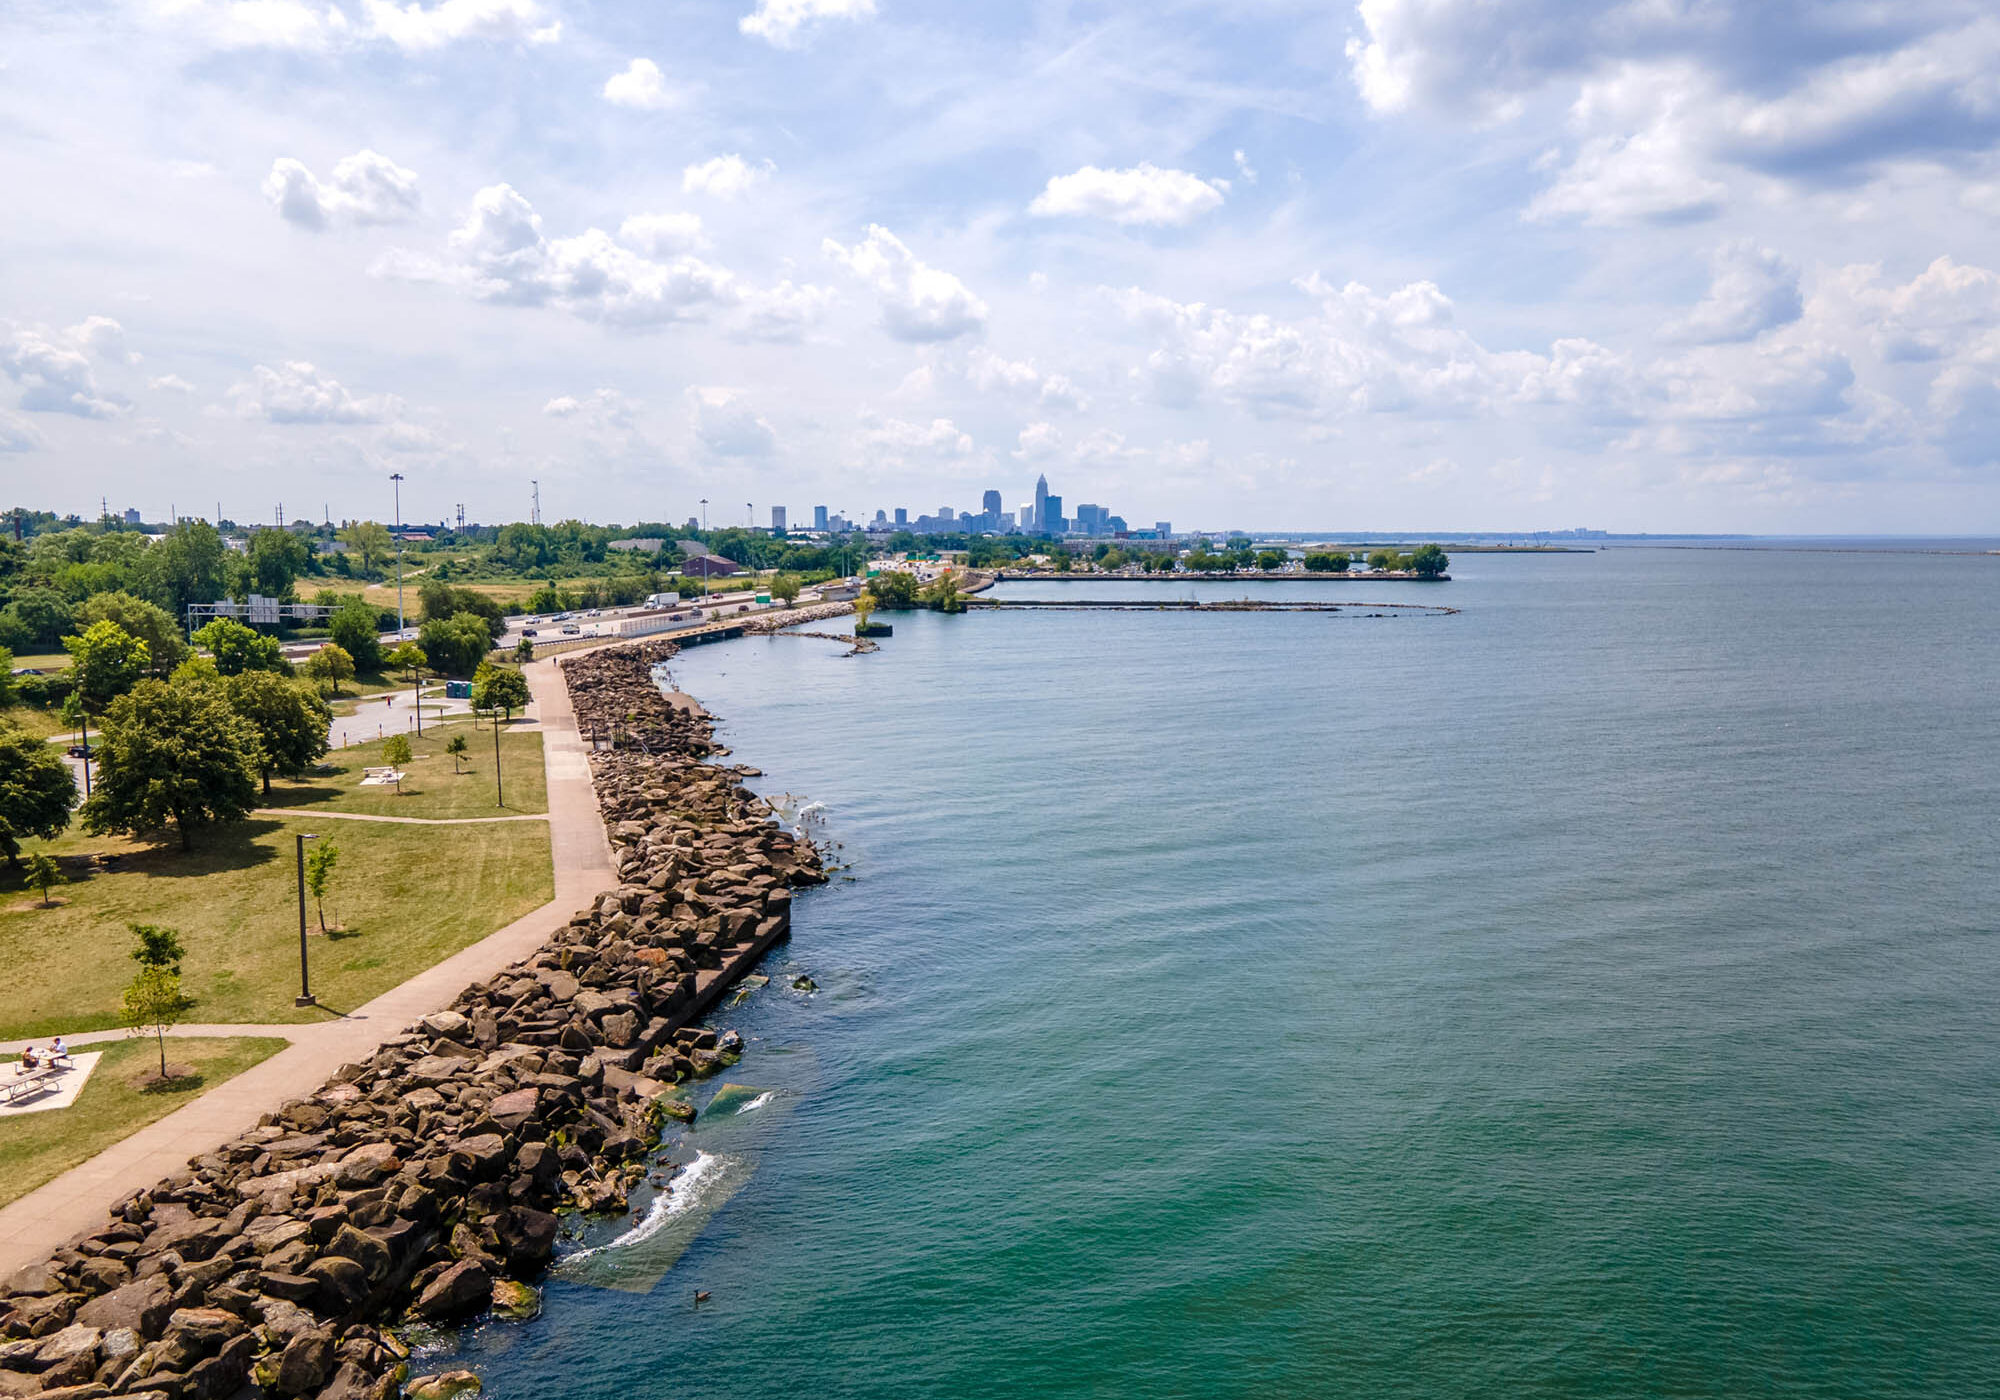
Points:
x=1241, y=576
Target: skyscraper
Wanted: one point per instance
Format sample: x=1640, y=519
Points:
x=777, y=519
x=819, y=517
x=1041, y=521
x=1052, y=516
x=902, y=516
x=990, y=505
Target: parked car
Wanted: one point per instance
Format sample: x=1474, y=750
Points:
x=529, y=632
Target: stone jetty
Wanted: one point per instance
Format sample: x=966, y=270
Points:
x=425, y=1184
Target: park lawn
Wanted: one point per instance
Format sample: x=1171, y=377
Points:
x=43, y=724
x=43, y=661
x=430, y=788
x=38, y=1147
x=408, y=897
x=369, y=684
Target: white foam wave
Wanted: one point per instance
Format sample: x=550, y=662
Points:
x=679, y=1197
x=757, y=1102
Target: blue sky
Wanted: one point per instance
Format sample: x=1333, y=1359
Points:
x=1664, y=264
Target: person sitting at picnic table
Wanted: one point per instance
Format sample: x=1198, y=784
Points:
x=29, y=1060
x=58, y=1051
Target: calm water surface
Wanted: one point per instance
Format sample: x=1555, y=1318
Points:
x=1591, y=994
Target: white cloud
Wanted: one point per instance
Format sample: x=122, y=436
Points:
x=1751, y=290
x=55, y=370
x=725, y=177
x=900, y=443
x=661, y=235
x=307, y=26
x=415, y=27
x=170, y=384
x=919, y=302
x=786, y=311
x=1649, y=166
x=17, y=434
x=500, y=254
x=727, y=425
x=1244, y=168
x=365, y=188
x=990, y=373
x=1038, y=442
x=297, y=393
x=1145, y=194
x=642, y=85
x=781, y=22
x=562, y=406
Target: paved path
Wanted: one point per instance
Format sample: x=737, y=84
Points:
x=318, y=812
x=74, y=1203
x=390, y=713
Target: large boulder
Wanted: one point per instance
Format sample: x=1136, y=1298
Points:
x=447, y=1385
x=142, y=1305
x=460, y=1291
x=305, y=1364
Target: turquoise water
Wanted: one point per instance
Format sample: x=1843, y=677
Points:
x=1591, y=994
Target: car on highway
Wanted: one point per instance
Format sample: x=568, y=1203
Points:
x=529, y=632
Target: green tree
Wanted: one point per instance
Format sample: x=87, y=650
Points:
x=153, y=1003
x=1383, y=560
x=6, y=678
x=1269, y=559
x=455, y=645
x=942, y=594
x=396, y=753
x=329, y=666
x=320, y=861
x=524, y=651
x=1430, y=561
x=148, y=622
x=500, y=688
x=157, y=946
x=441, y=601
x=237, y=648
x=1327, y=562
x=277, y=558
x=894, y=588
x=355, y=628
x=189, y=565
x=409, y=658
x=44, y=874
x=864, y=608
x=456, y=748
x=106, y=661
x=785, y=588
x=290, y=719
x=369, y=543
x=172, y=753
x=35, y=620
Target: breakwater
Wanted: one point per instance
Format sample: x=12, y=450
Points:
x=1237, y=605
x=1214, y=576
x=425, y=1184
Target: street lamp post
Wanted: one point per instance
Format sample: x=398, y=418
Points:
x=305, y=996
x=398, y=479
x=499, y=798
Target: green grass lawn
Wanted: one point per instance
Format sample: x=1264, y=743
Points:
x=408, y=897
x=43, y=724
x=430, y=787
x=44, y=661
x=37, y=1147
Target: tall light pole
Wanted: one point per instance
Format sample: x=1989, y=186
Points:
x=704, y=512
x=305, y=996
x=398, y=479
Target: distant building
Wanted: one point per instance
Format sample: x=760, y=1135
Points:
x=946, y=514
x=777, y=519
x=1163, y=528
x=991, y=504
x=902, y=518
x=819, y=517
x=131, y=517
x=1041, y=520
x=881, y=520
x=1090, y=519
x=641, y=546
x=708, y=566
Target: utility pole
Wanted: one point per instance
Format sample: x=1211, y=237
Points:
x=398, y=479
x=704, y=512
x=535, y=510
x=305, y=996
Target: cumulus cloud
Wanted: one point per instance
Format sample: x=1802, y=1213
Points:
x=1039, y=441
x=919, y=302
x=297, y=393
x=727, y=425
x=500, y=254
x=56, y=370
x=365, y=188
x=1639, y=160
x=1751, y=289
x=661, y=235
x=1145, y=194
x=170, y=384
x=725, y=177
x=898, y=442
x=783, y=22
x=17, y=434
x=990, y=373
x=786, y=311
x=642, y=85
x=311, y=25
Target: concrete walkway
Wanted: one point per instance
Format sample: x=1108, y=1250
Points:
x=75, y=1203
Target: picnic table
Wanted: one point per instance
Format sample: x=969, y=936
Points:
x=27, y=1083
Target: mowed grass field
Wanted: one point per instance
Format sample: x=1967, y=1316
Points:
x=431, y=788
x=407, y=896
x=38, y=1147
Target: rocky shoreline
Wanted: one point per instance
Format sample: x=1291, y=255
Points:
x=424, y=1185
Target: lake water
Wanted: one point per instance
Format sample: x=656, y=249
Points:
x=1589, y=994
